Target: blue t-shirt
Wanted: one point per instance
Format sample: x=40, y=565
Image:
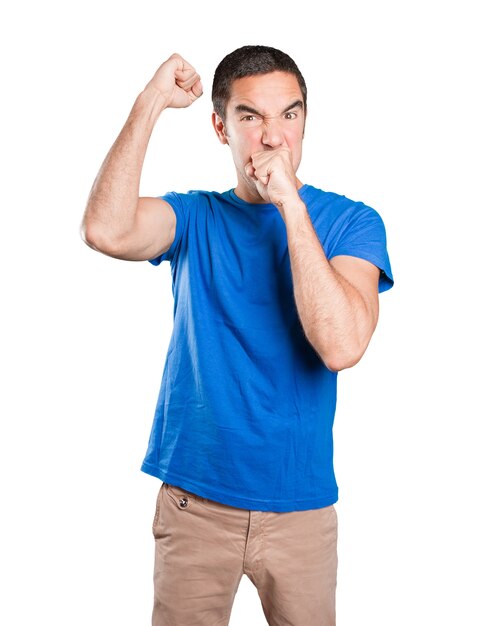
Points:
x=246, y=407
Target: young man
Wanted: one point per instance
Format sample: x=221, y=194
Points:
x=276, y=289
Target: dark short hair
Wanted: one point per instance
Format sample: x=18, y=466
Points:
x=249, y=61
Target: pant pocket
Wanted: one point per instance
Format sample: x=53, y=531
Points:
x=157, y=508
x=182, y=498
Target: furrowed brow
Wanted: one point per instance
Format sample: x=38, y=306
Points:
x=298, y=104
x=243, y=108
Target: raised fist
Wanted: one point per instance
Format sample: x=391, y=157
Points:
x=177, y=81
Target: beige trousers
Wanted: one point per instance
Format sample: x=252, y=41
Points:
x=203, y=547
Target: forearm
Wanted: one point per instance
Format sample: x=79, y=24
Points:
x=336, y=319
x=112, y=203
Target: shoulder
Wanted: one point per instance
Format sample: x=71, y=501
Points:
x=198, y=194
x=333, y=215
x=195, y=197
x=334, y=205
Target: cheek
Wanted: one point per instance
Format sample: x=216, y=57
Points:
x=251, y=135
x=295, y=135
x=295, y=141
x=248, y=143
x=295, y=145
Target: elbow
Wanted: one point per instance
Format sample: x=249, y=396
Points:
x=94, y=237
x=86, y=234
x=340, y=357
x=340, y=351
x=337, y=362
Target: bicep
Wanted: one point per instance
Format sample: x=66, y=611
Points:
x=363, y=276
x=153, y=231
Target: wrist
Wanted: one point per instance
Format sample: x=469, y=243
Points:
x=293, y=210
x=152, y=101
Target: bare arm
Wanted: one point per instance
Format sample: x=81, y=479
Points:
x=337, y=300
x=117, y=221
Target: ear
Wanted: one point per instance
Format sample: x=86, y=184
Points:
x=218, y=125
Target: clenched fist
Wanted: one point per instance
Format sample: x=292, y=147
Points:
x=177, y=81
x=274, y=175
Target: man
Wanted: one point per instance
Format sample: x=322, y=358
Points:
x=275, y=288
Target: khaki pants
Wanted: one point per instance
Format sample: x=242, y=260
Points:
x=203, y=547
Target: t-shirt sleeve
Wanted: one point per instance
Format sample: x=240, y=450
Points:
x=363, y=235
x=175, y=201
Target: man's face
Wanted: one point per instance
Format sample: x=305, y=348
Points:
x=264, y=112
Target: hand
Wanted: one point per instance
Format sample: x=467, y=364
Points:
x=273, y=174
x=177, y=81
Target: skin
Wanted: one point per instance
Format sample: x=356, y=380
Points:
x=261, y=126
x=337, y=300
x=116, y=221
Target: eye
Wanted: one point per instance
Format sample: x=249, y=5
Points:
x=251, y=120
x=290, y=115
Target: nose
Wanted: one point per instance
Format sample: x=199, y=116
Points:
x=272, y=133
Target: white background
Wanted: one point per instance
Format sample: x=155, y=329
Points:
x=396, y=119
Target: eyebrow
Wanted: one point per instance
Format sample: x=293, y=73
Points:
x=243, y=108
